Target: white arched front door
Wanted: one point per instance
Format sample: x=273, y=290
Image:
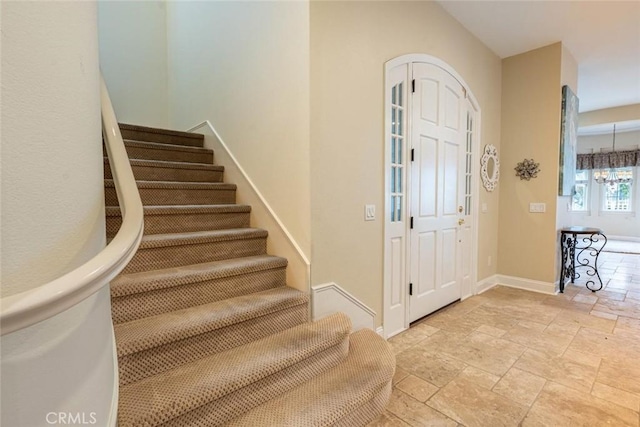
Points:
x=430, y=187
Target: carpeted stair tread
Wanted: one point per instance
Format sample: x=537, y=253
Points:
x=335, y=396
x=183, y=209
x=160, y=398
x=173, y=185
x=198, y=237
x=167, y=152
x=158, y=251
x=163, y=219
x=153, y=280
x=165, y=147
x=149, y=332
x=160, y=135
x=160, y=170
x=173, y=165
x=149, y=293
x=154, y=193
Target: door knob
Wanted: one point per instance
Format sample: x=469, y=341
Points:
x=460, y=221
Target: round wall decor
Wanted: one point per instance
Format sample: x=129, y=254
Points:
x=490, y=167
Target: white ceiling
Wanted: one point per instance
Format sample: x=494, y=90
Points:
x=603, y=36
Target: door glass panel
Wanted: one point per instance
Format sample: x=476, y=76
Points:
x=393, y=120
x=469, y=163
x=393, y=149
x=397, y=152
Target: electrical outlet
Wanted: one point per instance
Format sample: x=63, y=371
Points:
x=369, y=212
x=484, y=208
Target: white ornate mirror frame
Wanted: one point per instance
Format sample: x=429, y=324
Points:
x=490, y=167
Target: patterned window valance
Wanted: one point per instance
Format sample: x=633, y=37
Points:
x=618, y=159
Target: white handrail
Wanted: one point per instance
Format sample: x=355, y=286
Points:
x=35, y=305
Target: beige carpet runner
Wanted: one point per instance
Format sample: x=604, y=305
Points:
x=207, y=331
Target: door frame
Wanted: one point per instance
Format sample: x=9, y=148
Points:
x=395, y=284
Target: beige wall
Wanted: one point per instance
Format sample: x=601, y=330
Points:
x=52, y=209
x=610, y=115
x=350, y=42
x=245, y=67
x=133, y=59
x=531, y=104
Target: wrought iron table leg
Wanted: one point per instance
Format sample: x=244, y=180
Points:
x=575, y=256
x=584, y=259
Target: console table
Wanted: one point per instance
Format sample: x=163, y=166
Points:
x=580, y=246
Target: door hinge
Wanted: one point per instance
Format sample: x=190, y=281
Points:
x=411, y=223
x=412, y=153
x=410, y=288
x=413, y=86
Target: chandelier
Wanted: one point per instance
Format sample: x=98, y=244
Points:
x=611, y=176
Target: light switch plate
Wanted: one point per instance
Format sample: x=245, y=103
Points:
x=369, y=212
x=537, y=207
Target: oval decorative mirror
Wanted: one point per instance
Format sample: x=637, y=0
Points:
x=490, y=167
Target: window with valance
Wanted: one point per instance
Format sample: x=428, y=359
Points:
x=617, y=159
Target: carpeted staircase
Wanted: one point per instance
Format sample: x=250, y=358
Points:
x=207, y=331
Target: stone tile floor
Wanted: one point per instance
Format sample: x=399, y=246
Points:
x=510, y=357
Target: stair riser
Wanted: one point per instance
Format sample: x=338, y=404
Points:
x=149, y=173
x=182, y=196
x=179, y=223
x=169, y=155
x=138, y=135
x=257, y=393
x=369, y=411
x=137, y=306
x=137, y=366
x=176, y=256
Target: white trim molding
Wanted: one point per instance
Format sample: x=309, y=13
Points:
x=625, y=238
x=526, y=284
x=330, y=298
x=486, y=284
x=280, y=239
x=516, y=282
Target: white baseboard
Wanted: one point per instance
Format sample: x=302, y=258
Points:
x=330, y=298
x=625, y=238
x=486, y=284
x=380, y=331
x=527, y=284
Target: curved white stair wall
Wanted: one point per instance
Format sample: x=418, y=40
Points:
x=57, y=359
